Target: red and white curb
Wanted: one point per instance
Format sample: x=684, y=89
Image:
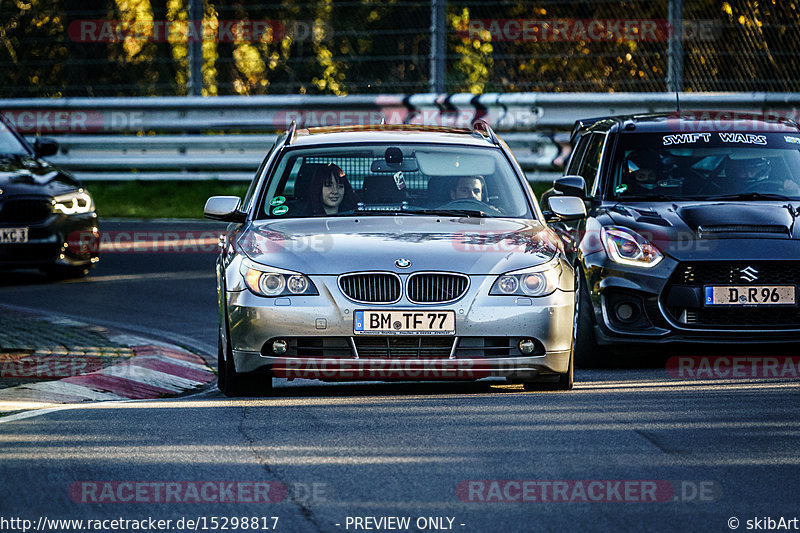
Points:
x=155, y=371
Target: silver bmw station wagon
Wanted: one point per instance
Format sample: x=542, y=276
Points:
x=392, y=252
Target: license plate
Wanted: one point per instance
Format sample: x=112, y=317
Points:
x=404, y=322
x=750, y=295
x=13, y=235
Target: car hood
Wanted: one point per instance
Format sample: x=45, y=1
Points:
x=693, y=230
x=337, y=245
x=25, y=175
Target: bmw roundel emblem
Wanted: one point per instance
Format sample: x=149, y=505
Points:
x=403, y=263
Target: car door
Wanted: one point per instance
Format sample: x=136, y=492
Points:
x=586, y=162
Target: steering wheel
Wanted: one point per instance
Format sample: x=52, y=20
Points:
x=469, y=204
x=766, y=186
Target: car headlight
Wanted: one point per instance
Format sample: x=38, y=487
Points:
x=271, y=284
x=626, y=247
x=74, y=203
x=536, y=281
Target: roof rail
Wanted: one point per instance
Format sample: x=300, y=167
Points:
x=291, y=133
x=484, y=129
x=586, y=123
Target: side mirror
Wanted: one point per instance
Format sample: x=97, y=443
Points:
x=571, y=186
x=44, y=146
x=224, y=208
x=567, y=207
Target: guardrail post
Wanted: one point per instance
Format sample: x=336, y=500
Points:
x=438, y=49
x=675, y=51
x=196, y=48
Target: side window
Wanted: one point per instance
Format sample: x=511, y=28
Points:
x=591, y=161
x=577, y=155
x=248, y=197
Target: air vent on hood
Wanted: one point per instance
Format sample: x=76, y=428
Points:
x=743, y=228
x=648, y=216
x=641, y=215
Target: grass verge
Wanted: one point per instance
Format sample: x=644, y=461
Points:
x=158, y=199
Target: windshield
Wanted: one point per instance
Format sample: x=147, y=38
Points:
x=712, y=165
x=9, y=144
x=379, y=179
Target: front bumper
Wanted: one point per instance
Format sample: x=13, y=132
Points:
x=665, y=311
x=58, y=240
x=488, y=329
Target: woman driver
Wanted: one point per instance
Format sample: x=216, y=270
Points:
x=329, y=192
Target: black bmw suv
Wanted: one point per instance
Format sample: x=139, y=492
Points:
x=692, y=232
x=47, y=220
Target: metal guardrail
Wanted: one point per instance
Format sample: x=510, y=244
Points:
x=162, y=157
x=196, y=138
x=224, y=157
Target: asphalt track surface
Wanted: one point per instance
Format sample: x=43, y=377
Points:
x=348, y=457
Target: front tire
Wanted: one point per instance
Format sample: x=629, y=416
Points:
x=588, y=354
x=221, y=370
x=567, y=379
x=235, y=384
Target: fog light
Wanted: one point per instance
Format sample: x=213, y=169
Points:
x=625, y=311
x=279, y=347
x=526, y=346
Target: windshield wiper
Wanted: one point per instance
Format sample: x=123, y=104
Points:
x=374, y=212
x=448, y=212
x=651, y=197
x=430, y=212
x=749, y=196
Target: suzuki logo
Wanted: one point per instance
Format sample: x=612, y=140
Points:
x=748, y=274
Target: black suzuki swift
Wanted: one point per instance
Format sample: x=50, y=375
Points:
x=692, y=233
